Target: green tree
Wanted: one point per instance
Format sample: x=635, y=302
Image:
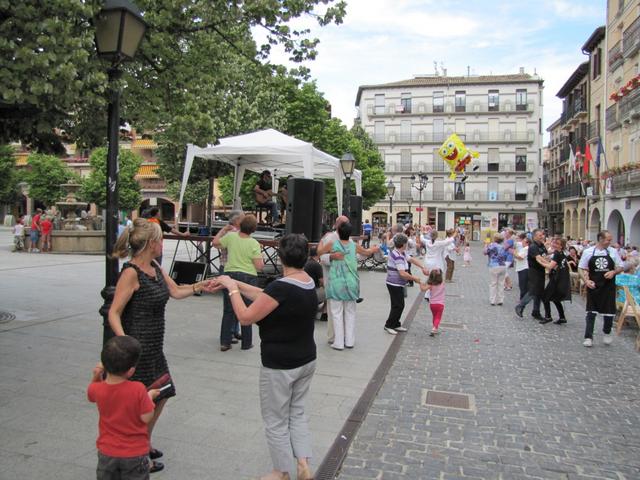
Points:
x=8, y=175
x=93, y=188
x=45, y=174
x=198, y=69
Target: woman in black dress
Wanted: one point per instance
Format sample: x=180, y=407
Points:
x=558, y=289
x=138, y=306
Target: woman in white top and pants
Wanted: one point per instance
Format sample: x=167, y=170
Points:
x=435, y=251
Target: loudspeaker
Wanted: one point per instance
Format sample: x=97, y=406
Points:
x=318, y=211
x=187, y=272
x=355, y=215
x=300, y=206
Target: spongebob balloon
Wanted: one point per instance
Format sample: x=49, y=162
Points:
x=457, y=156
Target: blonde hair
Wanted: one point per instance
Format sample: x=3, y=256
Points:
x=134, y=239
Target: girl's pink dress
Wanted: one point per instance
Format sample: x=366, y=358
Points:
x=467, y=254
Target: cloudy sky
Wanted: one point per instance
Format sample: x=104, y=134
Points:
x=382, y=41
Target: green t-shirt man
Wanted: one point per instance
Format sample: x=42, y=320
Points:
x=241, y=253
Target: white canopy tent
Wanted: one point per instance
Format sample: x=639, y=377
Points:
x=270, y=150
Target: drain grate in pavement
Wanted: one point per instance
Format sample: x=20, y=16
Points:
x=6, y=317
x=453, y=326
x=437, y=398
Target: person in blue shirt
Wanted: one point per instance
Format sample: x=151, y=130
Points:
x=367, y=229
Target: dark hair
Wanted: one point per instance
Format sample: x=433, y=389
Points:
x=264, y=173
x=119, y=354
x=248, y=224
x=400, y=240
x=313, y=252
x=293, y=250
x=344, y=231
x=435, y=277
x=152, y=212
x=601, y=235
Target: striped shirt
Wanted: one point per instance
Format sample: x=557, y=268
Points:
x=396, y=261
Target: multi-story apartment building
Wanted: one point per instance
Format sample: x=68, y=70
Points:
x=500, y=116
x=620, y=203
x=574, y=126
x=551, y=177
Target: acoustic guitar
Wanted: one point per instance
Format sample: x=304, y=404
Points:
x=264, y=197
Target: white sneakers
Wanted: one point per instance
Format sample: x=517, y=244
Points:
x=400, y=329
x=390, y=331
x=607, y=339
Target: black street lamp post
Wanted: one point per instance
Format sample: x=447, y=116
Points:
x=409, y=203
x=348, y=163
x=420, y=186
x=119, y=31
x=391, y=190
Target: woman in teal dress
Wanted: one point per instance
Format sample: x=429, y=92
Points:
x=344, y=285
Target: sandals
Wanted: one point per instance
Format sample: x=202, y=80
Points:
x=155, y=453
x=156, y=466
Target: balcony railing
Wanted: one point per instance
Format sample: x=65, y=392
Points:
x=615, y=56
x=577, y=190
x=594, y=129
x=505, y=136
x=630, y=106
x=626, y=181
x=440, y=167
x=612, y=121
x=579, y=106
x=631, y=39
x=424, y=109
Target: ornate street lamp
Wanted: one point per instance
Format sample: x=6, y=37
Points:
x=119, y=31
x=348, y=163
x=391, y=190
x=420, y=186
x=409, y=203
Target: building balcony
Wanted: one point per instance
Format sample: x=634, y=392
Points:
x=575, y=111
x=629, y=107
x=505, y=136
x=626, y=182
x=471, y=196
x=439, y=167
x=612, y=121
x=473, y=108
x=631, y=39
x=594, y=130
x=576, y=190
x=615, y=56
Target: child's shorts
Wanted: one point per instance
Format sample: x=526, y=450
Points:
x=122, y=468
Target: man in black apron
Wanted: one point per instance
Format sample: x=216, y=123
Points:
x=536, y=275
x=598, y=267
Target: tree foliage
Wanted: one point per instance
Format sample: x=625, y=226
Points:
x=198, y=74
x=195, y=193
x=94, y=190
x=8, y=175
x=45, y=174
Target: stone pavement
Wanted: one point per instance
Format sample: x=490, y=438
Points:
x=211, y=430
x=544, y=406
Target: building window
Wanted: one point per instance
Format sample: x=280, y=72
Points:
x=405, y=188
x=438, y=129
x=438, y=102
x=442, y=221
x=378, y=131
x=493, y=160
x=458, y=191
x=461, y=101
x=521, y=159
x=492, y=189
x=521, y=188
x=405, y=160
x=494, y=100
x=597, y=63
x=438, y=188
x=379, y=106
x=521, y=99
x=405, y=103
x=438, y=163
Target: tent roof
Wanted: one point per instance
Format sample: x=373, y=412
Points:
x=275, y=151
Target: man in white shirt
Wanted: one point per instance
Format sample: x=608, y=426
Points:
x=598, y=268
x=522, y=264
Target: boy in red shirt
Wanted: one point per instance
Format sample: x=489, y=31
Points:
x=125, y=408
x=45, y=227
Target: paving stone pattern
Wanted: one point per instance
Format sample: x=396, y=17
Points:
x=545, y=406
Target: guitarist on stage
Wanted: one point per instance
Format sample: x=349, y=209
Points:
x=263, y=194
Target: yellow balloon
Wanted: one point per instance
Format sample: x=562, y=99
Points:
x=456, y=155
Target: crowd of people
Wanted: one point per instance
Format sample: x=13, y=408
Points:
x=132, y=383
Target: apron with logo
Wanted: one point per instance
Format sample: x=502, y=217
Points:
x=601, y=299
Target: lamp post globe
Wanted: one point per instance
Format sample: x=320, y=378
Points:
x=119, y=30
x=348, y=164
